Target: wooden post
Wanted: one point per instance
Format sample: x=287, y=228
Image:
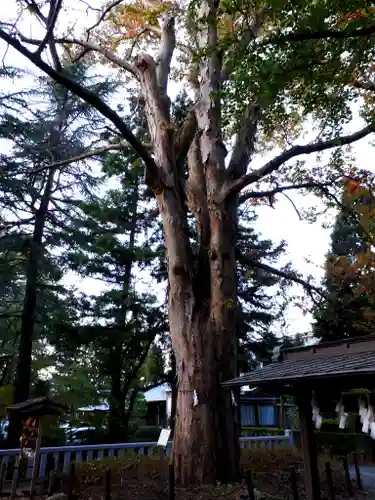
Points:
x=250, y=486
x=282, y=413
x=162, y=451
x=15, y=477
x=172, y=490
x=36, y=460
x=71, y=480
x=3, y=470
x=52, y=483
x=308, y=444
x=331, y=486
x=293, y=482
x=347, y=476
x=107, y=485
x=256, y=414
x=357, y=471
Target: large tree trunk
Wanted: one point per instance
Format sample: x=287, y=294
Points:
x=23, y=367
x=202, y=296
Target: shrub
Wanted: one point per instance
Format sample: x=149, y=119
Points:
x=261, y=431
x=341, y=443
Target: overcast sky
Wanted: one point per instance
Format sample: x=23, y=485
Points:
x=307, y=243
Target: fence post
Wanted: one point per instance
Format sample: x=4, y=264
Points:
x=15, y=477
x=107, y=485
x=3, y=471
x=357, y=471
x=289, y=435
x=52, y=483
x=331, y=486
x=293, y=481
x=347, y=476
x=172, y=492
x=71, y=480
x=250, y=485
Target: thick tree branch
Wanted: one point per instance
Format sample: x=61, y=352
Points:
x=185, y=137
x=320, y=35
x=248, y=260
x=167, y=46
x=91, y=98
x=294, y=151
x=244, y=145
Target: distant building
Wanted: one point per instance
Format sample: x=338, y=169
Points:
x=259, y=409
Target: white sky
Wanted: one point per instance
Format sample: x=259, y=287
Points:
x=307, y=243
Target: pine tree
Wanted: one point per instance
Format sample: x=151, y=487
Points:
x=350, y=307
x=36, y=197
x=122, y=321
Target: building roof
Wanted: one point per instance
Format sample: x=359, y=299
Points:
x=101, y=407
x=333, y=359
x=153, y=395
x=156, y=394
x=38, y=406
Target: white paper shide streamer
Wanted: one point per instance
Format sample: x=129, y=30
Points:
x=195, y=398
x=341, y=415
x=362, y=409
x=367, y=416
x=316, y=416
x=234, y=402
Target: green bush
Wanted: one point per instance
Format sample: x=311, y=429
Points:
x=147, y=433
x=341, y=443
x=261, y=431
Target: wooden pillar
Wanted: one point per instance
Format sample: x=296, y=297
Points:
x=282, y=413
x=308, y=444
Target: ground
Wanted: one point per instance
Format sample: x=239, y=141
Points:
x=146, y=478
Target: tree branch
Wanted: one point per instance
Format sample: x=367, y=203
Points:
x=51, y=22
x=248, y=260
x=185, y=137
x=280, y=189
x=80, y=157
x=319, y=35
x=294, y=151
x=244, y=145
x=101, y=18
x=167, y=45
x=89, y=47
x=91, y=98
x=364, y=85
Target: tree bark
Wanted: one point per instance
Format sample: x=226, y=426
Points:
x=202, y=292
x=117, y=428
x=118, y=421
x=23, y=367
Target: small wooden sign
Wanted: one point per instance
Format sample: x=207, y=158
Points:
x=163, y=438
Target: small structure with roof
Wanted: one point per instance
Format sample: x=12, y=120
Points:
x=30, y=413
x=315, y=376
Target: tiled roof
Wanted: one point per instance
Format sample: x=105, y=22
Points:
x=314, y=367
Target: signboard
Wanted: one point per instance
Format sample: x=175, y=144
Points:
x=163, y=438
x=29, y=436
